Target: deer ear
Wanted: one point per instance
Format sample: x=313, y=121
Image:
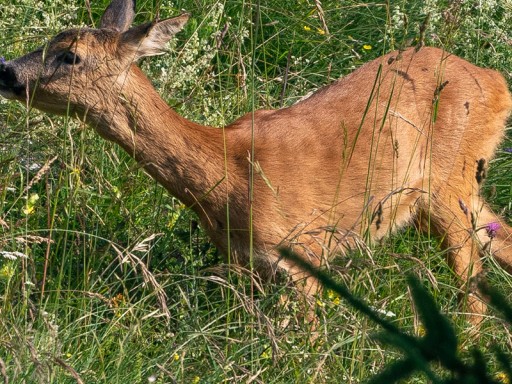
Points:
x=119, y=15
x=150, y=39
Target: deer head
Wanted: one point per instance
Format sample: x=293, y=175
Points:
x=73, y=71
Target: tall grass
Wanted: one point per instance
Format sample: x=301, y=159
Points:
x=105, y=278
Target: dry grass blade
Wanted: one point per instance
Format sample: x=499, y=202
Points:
x=69, y=369
x=430, y=276
x=44, y=169
x=31, y=239
x=136, y=262
x=245, y=300
x=321, y=15
x=3, y=371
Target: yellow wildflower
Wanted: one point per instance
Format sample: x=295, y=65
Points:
x=7, y=271
x=502, y=378
x=266, y=354
x=333, y=297
x=116, y=191
x=30, y=207
x=306, y=28
x=367, y=47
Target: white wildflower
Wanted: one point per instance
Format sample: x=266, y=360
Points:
x=13, y=255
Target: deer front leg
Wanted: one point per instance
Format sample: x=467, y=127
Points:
x=307, y=288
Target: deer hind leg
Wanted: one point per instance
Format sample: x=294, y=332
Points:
x=455, y=219
x=469, y=229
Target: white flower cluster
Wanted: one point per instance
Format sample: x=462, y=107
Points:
x=398, y=18
x=187, y=72
x=12, y=255
x=29, y=19
x=479, y=28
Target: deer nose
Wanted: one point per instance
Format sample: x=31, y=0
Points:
x=7, y=76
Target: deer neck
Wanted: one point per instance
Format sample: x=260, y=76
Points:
x=185, y=157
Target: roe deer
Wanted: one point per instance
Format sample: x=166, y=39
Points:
x=404, y=138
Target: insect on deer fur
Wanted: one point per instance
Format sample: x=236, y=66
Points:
x=403, y=139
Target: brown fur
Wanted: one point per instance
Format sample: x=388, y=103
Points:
x=398, y=140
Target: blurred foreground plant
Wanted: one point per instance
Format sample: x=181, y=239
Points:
x=437, y=348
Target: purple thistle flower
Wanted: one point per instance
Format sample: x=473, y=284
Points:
x=2, y=60
x=508, y=150
x=492, y=229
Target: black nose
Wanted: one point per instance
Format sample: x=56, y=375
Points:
x=7, y=76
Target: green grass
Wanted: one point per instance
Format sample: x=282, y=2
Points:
x=80, y=308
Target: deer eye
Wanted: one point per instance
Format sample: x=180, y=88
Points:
x=69, y=58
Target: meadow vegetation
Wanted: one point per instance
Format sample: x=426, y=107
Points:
x=105, y=278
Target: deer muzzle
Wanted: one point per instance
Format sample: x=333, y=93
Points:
x=10, y=87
